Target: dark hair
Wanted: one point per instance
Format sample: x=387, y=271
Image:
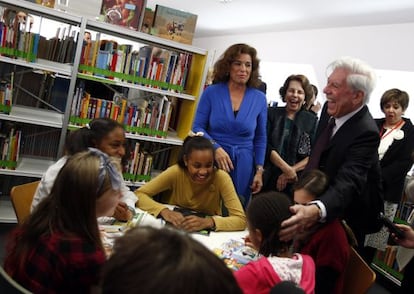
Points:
x=266, y=212
x=150, y=260
x=90, y=136
x=397, y=95
x=70, y=208
x=223, y=65
x=193, y=143
x=303, y=80
x=314, y=181
x=315, y=90
x=287, y=287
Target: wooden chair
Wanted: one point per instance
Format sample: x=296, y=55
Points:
x=21, y=197
x=10, y=286
x=359, y=276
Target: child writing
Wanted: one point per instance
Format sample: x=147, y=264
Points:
x=194, y=183
x=106, y=135
x=326, y=243
x=264, y=214
x=58, y=249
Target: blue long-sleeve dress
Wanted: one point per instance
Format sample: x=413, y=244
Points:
x=242, y=136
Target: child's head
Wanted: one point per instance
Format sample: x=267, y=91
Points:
x=310, y=186
x=265, y=213
x=149, y=260
x=88, y=185
x=104, y=134
x=197, y=156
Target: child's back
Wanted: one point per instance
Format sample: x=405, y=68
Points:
x=265, y=214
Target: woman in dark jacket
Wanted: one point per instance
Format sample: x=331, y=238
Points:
x=395, y=149
x=290, y=132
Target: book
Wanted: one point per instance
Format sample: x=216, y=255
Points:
x=235, y=254
x=147, y=21
x=173, y=24
x=128, y=14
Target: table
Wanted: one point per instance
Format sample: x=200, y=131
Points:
x=113, y=230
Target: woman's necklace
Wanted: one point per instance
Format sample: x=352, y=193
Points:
x=384, y=132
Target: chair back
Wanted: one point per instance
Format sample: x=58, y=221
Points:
x=21, y=197
x=359, y=276
x=10, y=286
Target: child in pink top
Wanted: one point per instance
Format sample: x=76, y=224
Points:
x=264, y=214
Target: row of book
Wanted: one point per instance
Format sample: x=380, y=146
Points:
x=151, y=117
x=5, y=97
x=139, y=166
x=405, y=210
x=150, y=65
x=10, y=146
x=387, y=260
x=17, y=41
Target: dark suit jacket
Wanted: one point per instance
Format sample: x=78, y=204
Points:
x=397, y=162
x=351, y=163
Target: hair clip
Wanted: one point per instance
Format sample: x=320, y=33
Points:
x=198, y=134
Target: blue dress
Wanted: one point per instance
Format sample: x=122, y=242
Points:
x=242, y=136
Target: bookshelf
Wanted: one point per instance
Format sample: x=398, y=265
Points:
x=48, y=120
x=385, y=261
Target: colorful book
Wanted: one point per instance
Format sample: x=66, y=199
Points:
x=174, y=24
x=128, y=14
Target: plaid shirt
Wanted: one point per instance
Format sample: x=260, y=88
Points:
x=57, y=265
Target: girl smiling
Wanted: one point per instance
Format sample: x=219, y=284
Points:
x=194, y=183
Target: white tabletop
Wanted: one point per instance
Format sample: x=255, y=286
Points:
x=212, y=241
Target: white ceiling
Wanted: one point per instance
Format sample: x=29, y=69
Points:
x=216, y=18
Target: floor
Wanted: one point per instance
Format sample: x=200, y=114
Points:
x=378, y=288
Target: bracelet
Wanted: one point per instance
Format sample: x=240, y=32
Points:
x=260, y=169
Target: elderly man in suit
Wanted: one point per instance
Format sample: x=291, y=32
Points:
x=349, y=156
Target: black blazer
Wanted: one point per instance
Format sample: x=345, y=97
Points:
x=396, y=162
x=351, y=163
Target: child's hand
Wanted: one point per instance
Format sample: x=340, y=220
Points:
x=194, y=223
x=248, y=242
x=122, y=212
x=173, y=217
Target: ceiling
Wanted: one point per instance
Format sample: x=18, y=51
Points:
x=229, y=17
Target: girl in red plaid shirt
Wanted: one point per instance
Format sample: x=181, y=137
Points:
x=58, y=249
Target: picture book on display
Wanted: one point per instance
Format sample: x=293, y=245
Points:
x=147, y=21
x=173, y=24
x=126, y=13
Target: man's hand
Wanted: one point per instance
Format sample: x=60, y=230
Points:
x=304, y=217
x=122, y=212
x=408, y=240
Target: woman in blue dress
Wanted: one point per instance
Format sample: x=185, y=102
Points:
x=232, y=113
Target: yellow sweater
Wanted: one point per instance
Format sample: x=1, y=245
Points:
x=180, y=190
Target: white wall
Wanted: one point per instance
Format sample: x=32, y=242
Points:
x=385, y=47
